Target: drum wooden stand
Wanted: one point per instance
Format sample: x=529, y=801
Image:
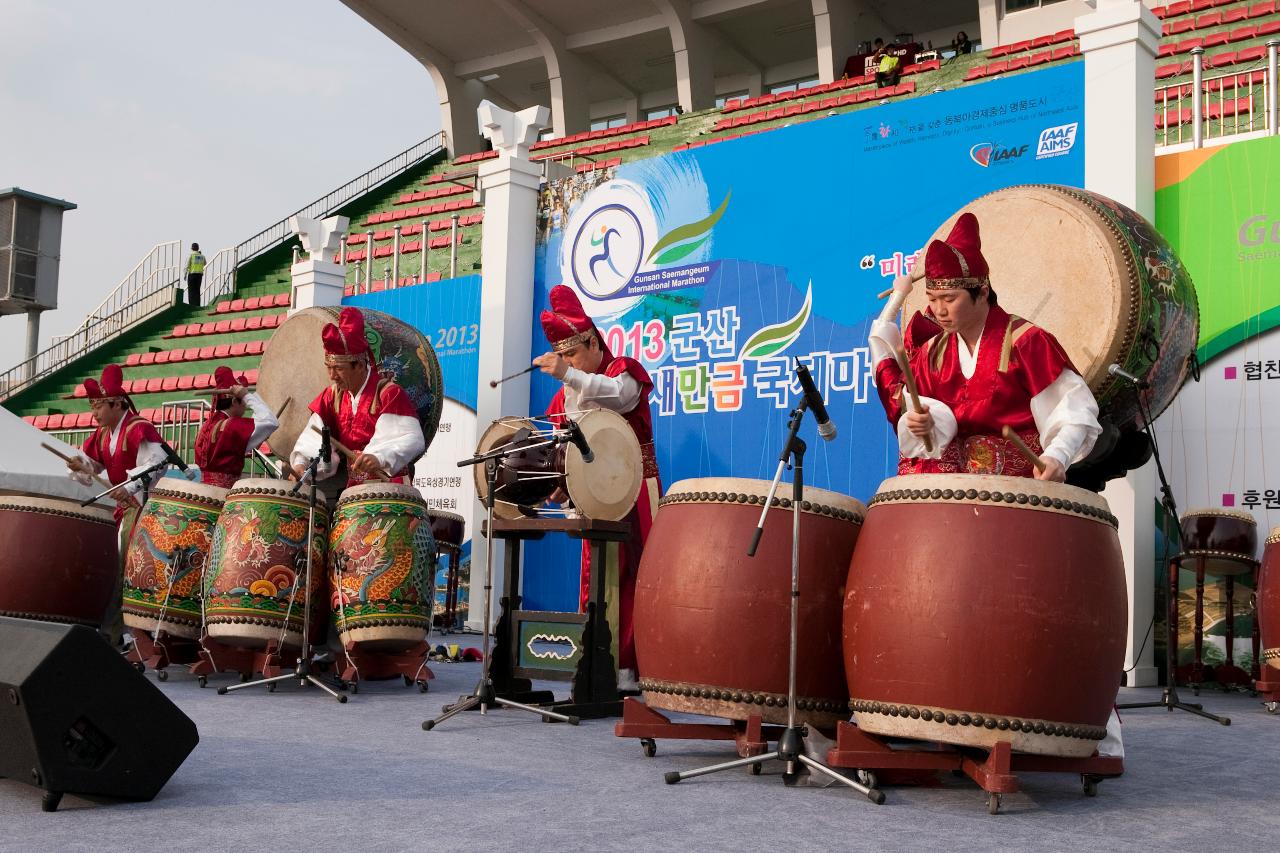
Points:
x=161, y=651
x=750, y=736
x=447, y=622
x=410, y=664
x=996, y=772
x=216, y=657
x=1226, y=674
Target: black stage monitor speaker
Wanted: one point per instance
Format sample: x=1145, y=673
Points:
x=76, y=718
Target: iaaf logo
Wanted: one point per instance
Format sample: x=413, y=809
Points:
x=1056, y=141
x=986, y=153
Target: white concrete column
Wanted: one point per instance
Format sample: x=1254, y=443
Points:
x=318, y=280
x=510, y=185
x=693, y=50
x=989, y=23
x=1119, y=42
x=838, y=26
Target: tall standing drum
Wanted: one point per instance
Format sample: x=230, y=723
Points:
x=58, y=560
x=259, y=553
x=293, y=366
x=1112, y=290
x=382, y=560
x=167, y=557
x=712, y=625
x=1268, y=614
x=983, y=609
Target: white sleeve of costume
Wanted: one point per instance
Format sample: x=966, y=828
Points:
x=617, y=393
x=1066, y=417
x=397, y=439
x=149, y=453
x=885, y=338
x=944, y=430
x=308, y=444
x=264, y=421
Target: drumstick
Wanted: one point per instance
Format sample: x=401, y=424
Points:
x=213, y=392
x=494, y=383
x=349, y=454
x=910, y=382
x=64, y=457
x=917, y=272
x=1021, y=446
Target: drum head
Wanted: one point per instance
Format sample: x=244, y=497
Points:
x=498, y=433
x=606, y=488
x=293, y=367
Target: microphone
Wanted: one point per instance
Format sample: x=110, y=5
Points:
x=325, y=449
x=579, y=440
x=1118, y=371
x=323, y=453
x=176, y=460
x=826, y=428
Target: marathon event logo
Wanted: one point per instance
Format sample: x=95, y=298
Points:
x=1056, y=141
x=989, y=153
x=617, y=246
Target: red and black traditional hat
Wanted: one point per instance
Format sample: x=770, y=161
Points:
x=957, y=262
x=566, y=325
x=111, y=388
x=224, y=379
x=345, y=341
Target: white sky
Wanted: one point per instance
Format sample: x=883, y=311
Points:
x=176, y=119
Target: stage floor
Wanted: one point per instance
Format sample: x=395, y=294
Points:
x=295, y=770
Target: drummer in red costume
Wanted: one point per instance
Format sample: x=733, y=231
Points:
x=595, y=378
x=227, y=435
x=124, y=444
x=978, y=368
x=370, y=416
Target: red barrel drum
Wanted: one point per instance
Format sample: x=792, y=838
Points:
x=58, y=560
x=1269, y=608
x=1227, y=540
x=983, y=609
x=712, y=625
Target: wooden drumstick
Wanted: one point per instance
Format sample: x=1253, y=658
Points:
x=910, y=382
x=349, y=454
x=917, y=273
x=494, y=383
x=214, y=392
x=1021, y=446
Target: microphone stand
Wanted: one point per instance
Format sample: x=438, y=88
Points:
x=484, y=694
x=1169, y=699
x=791, y=744
x=303, y=671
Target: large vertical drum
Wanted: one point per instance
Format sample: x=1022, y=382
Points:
x=1268, y=614
x=58, y=560
x=1112, y=291
x=984, y=609
x=712, y=625
x=259, y=553
x=382, y=560
x=167, y=556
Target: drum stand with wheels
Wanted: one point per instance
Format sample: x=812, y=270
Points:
x=303, y=671
x=791, y=749
x=484, y=695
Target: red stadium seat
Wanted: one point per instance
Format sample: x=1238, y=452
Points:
x=186, y=383
x=237, y=305
x=1019, y=62
x=80, y=392
x=147, y=358
x=222, y=351
x=1214, y=40
x=1208, y=19
x=1268, y=28
x=133, y=359
x=222, y=327
x=192, y=354
x=238, y=324
x=178, y=332
x=256, y=348
x=251, y=376
x=42, y=421
x=204, y=380
x=162, y=357
x=170, y=384
x=251, y=304
x=84, y=419
x=1231, y=16
x=222, y=307
x=253, y=323
x=1222, y=59
x=1063, y=35
x=154, y=386
x=208, y=328
x=1251, y=54
x=238, y=350
x=1242, y=34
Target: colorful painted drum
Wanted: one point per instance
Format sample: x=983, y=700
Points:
x=58, y=560
x=712, y=625
x=167, y=557
x=1269, y=607
x=1112, y=290
x=1227, y=540
x=293, y=366
x=258, y=555
x=983, y=609
x=382, y=560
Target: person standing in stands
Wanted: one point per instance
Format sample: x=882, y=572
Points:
x=227, y=434
x=195, y=274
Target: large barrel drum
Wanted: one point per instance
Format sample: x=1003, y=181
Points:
x=58, y=559
x=712, y=625
x=293, y=366
x=1269, y=607
x=168, y=553
x=984, y=609
x=1112, y=290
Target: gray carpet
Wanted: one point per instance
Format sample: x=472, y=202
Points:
x=294, y=770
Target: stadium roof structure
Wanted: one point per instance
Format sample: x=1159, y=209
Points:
x=594, y=59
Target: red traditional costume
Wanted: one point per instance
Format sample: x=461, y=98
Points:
x=223, y=440
x=1018, y=376
x=621, y=385
x=378, y=420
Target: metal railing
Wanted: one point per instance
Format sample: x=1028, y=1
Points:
x=149, y=288
x=219, y=276
x=1213, y=108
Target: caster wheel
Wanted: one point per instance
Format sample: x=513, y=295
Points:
x=342, y=700
x=423, y=687
x=202, y=681
x=222, y=691
x=140, y=667
x=162, y=675
x=1272, y=707
x=408, y=682
x=649, y=747
x=866, y=777
x=755, y=769
x=244, y=676
x=271, y=688
x=428, y=725
x=1089, y=784
x=1195, y=691
x=993, y=803
x=355, y=687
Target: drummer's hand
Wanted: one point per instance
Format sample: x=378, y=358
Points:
x=1053, y=470
x=367, y=465
x=238, y=391
x=559, y=496
x=120, y=494
x=298, y=471
x=75, y=463
x=920, y=424
x=902, y=285
x=552, y=363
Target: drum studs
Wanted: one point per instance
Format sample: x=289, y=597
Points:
x=965, y=719
x=1002, y=725
x=952, y=719
x=1038, y=728
x=936, y=494
x=1010, y=497
x=1022, y=499
x=1034, y=500
x=770, y=701
x=915, y=713
x=984, y=495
